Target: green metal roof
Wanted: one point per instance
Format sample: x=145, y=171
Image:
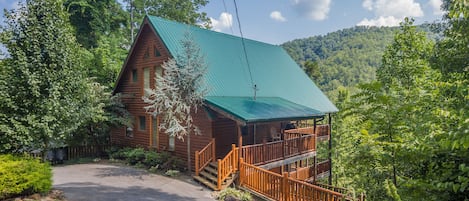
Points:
x=262, y=109
x=273, y=71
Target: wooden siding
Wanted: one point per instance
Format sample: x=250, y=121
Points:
x=225, y=134
x=143, y=56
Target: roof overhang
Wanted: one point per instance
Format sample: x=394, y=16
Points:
x=247, y=110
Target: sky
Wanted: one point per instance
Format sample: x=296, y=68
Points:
x=279, y=21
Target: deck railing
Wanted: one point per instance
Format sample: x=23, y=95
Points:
x=281, y=187
x=227, y=165
x=322, y=130
x=302, y=173
x=273, y=151
x=204, y=156
x=323, y=167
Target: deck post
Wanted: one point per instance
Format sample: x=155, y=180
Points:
x=240, y=140
x=213, y=150
x=241, y=171
x=330, y=149
x=285, y=190
x=219, y=175
x=234, y=157
x=196, y=163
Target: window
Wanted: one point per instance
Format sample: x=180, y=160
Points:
x=156, y=52
x=134, y=75
x=142, y=123
x=147, y=53
x=171, y=143
x=129, y=132
x=146, y=80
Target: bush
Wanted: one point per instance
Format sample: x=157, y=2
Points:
x=23, y=176
x=136, y=156
x=119, y=154
x=234, y=194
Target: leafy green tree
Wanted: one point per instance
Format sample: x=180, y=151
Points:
x=184, y=11
x=42, y=87
x=94, y=19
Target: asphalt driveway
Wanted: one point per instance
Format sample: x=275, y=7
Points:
x=118, y=182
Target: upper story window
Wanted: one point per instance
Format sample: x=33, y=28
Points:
x=156, y=52
x=134, y=75
x=146, y=80
x=147, y=53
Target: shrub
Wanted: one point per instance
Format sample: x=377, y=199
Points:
x=135, y=156
x=23, y=176
x=119, y=154
x=234, y=194
x=153, y=159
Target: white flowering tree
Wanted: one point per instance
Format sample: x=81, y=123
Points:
x=179, y=92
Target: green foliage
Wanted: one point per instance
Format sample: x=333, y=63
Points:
x=404, y=136
x=184, y=11
x=234, y=194
x=23, y=176
x=147, y=159
x=43, y=88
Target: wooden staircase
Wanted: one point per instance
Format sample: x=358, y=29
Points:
x=209, y=177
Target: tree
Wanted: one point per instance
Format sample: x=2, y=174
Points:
x=42, y=87
x=94, y=19
x=184, y=11
x=179, y=93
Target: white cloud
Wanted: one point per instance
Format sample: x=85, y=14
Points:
x=313, y=9
x=277, y=16
x=223, y=22
x=381, y=21
x=436, y=5
x=368, y=4
x=390, y=12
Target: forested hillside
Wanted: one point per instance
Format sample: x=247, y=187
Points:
x=343, y=58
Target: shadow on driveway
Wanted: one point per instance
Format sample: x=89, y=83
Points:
x=109, y=182
x=92, y=191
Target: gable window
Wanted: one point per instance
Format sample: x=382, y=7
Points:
x=156, y=52
x=134, y=75
x=147, y=53
x=146, y=80
x=142, y=123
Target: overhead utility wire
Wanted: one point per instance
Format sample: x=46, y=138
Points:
x=226, y=11
x=254, y=86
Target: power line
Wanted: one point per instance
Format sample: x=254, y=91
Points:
x=226, y=11
x=254, y=86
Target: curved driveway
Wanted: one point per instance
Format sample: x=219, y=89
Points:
x=117, y=182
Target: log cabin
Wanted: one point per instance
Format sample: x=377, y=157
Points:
x=261, y=108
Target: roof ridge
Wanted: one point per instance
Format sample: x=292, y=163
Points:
x=210, y=31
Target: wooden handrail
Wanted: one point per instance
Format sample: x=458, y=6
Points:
x=227, y=165
x=278, y=150
x=204, y=156
x=281, y=187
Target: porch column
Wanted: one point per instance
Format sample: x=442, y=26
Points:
x=330, y=149
x=240, y=139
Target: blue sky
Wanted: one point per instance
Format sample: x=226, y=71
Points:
x=278, y=21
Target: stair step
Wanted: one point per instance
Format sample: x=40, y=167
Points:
x=214, y=165
x=209, y=176
x=205, y=182
x=211, y=170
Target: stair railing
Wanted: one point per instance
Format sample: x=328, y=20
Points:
x=204, y=156
x=227, y=165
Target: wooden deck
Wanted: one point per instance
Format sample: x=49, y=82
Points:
x=246, y=160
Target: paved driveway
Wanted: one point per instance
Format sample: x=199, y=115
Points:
x=117, y=182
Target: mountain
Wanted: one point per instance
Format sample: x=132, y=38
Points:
x=342, y=58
